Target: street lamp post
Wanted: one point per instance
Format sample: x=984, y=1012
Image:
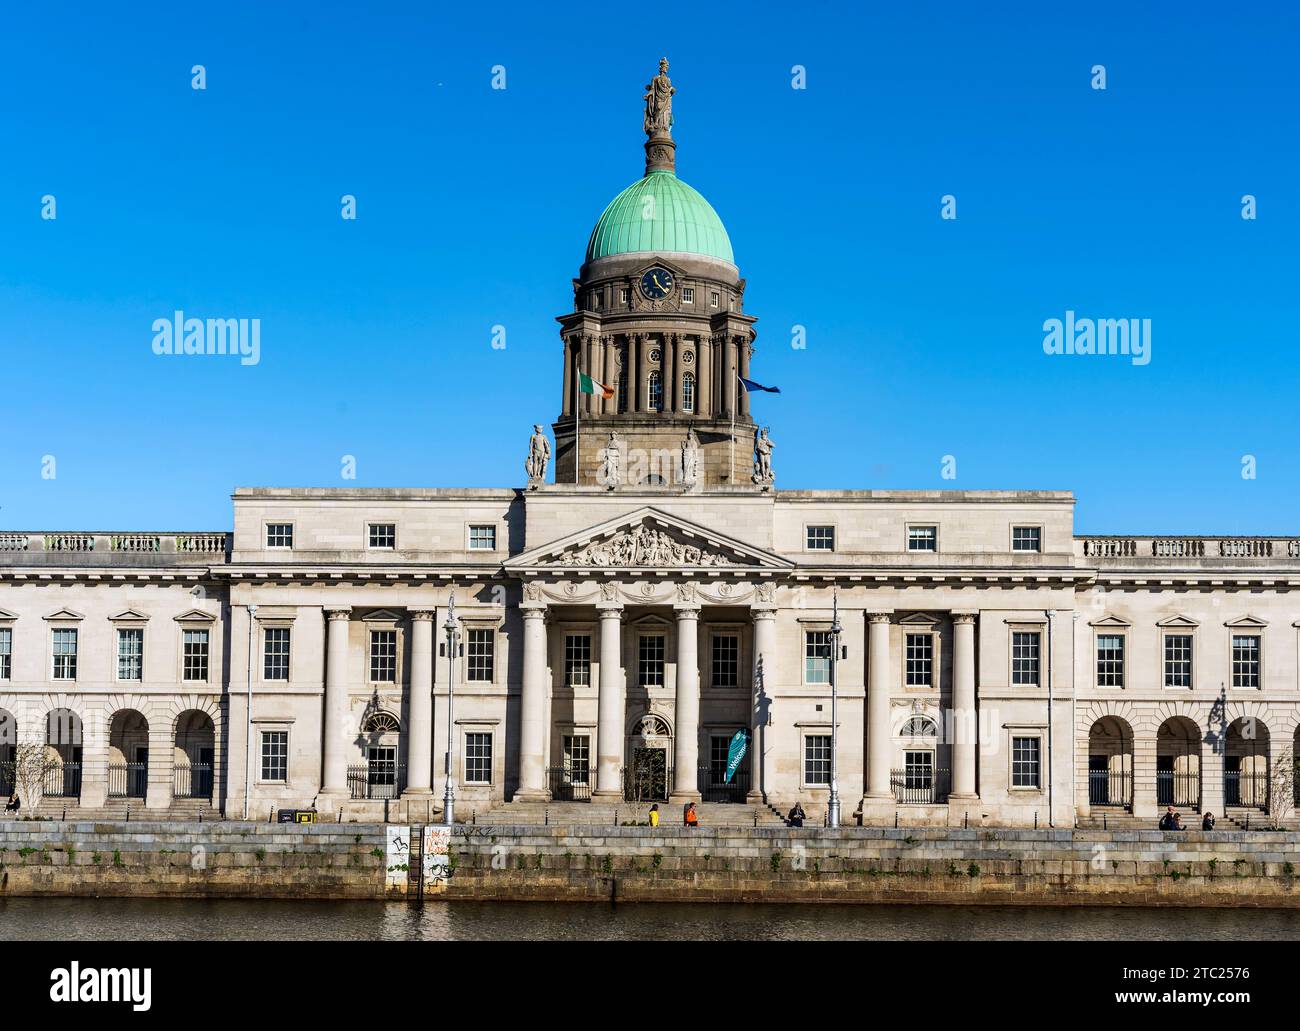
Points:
x=833, y=808
x=453, y=648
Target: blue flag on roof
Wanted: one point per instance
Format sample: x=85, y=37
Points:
x=751, y=386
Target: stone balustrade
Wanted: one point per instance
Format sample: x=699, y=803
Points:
x=26, y=547
x=1209, y=550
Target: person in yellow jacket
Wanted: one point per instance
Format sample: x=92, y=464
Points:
x=654, y=815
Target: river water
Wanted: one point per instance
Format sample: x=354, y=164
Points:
x=228, y=919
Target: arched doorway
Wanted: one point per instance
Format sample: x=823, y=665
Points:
x=63, y=737
x=1178, y=763
x=1245, y=765
x=128, y=754
x=1110, y=763
x=383, y=775
x=194, y=755
x=8, y=751
x=648, y=774
x=918, y=780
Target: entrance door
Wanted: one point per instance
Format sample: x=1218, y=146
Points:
x=138, y=773
x=1099, y=780
x=649, y=781
x=203, y=775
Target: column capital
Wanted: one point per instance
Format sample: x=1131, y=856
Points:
x=533, y=609
x=610, y=609
x=420, y=615
x=757, y=612
x=686, y=610
x=333, y=612
x=964, y=618
x=880, y=616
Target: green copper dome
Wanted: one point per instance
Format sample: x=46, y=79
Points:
x=679, y=219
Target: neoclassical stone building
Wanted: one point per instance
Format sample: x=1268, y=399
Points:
x=620, y=622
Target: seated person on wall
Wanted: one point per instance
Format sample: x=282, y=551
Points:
x=13, y=805
x=796, y=815
x=1171, y=821
x=1207, y=822
x=690, y=818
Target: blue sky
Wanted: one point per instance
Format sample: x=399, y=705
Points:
x=924, y=335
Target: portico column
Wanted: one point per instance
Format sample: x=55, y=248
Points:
x=704, y=386
x=670, y=372
x=687, y=717
x=610, y=407
x=532, y=720
x=743, y=345
x=610, y=707
x=419, y=739
x=878, y=736
x=764, y=680
x=334, y=773
x=963, y=707
x=567, y=408
x=635, y=386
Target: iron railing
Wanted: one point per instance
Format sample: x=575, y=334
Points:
x=127, y=780
x=1110, y=787
x=6, y=779
x=1181, y=790
x=376, y=780
x=714, y=786
x=1249, y=790
x=651, y=783
x=192, y=780
x=571, y=782
x=62, y=781
x=920, y=785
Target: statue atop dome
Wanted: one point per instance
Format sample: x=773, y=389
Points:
x=658, y=122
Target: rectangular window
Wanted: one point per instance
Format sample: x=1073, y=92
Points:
x=577, y=660
x=920, y=660
x=922, y=538
x=275, y=755
x=1026, y=538
x=726, y=660
x=275, y=653
x=1025, y=771
x=1178, y=660
x=483, y=538
x=650, y=660
x=1110, y=660
x=1245, y=660
x=480, y=655
x=918, y=770
x=65, y=654
x=688, y=295
x=713, y=298
x=130, y=653
x=817, y=759
x=577, y=759
x=383, y=536
x=194, y=655
x=1024, y=657
x=383, y=656
x=719, y=757
x=624, y=296
x=820, y=538
x=817, y=657
x=6, y=653
x=478, y=758
x=279, y=535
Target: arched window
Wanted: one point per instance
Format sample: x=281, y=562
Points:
x=919, y=726
x=688, y=392
x=656, y=392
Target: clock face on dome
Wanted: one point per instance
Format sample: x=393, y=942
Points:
x=657, y=283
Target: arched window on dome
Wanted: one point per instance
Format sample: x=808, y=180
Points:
x=688, y=392
x=656, y=392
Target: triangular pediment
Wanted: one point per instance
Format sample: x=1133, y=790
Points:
x=64, y=615
x=128, y=616
x=1178, y=622
x=381, y=616
x=196, y=616
x=647, y=539
x=7, y=617
x=1247, y=621
x=1110, y=621
x=919, y=619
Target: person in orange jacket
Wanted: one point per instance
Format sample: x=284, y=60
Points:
x=692, y=819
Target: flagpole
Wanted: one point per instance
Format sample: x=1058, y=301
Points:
x=739, y=387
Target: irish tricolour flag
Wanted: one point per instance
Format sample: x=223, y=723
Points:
x=590, y=386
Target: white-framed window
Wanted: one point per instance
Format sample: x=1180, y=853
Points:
x=130, y=653
x=64, y=643
x=650, y=660
x=383, y=656
x=817, y=760
x=919, y=657
x=194, y=655
x=688, y=392
x=1026, y=538
x=381, y=536
x=1247, y=660
x=577, y=660
x=923, y=538
x=480, y=654
x=918, y=770
x=275, y=755
x=6, y=653
x=1025, y=657
x=656, y=391
x=819, y=538
x=624, y=295
x=482, y=537
x=576, y=749
x=688, y=295
x=478, y=758
x=275, y=653
x=1178, y=660
x=726, y=660
x=714, y=299
x=1026, y=762
x=1110, y=660
x=279, y=535
x=817, y=656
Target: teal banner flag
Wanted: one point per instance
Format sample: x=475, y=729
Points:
x=739, y=746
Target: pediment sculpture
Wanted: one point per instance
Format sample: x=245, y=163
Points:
x=642, y=546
